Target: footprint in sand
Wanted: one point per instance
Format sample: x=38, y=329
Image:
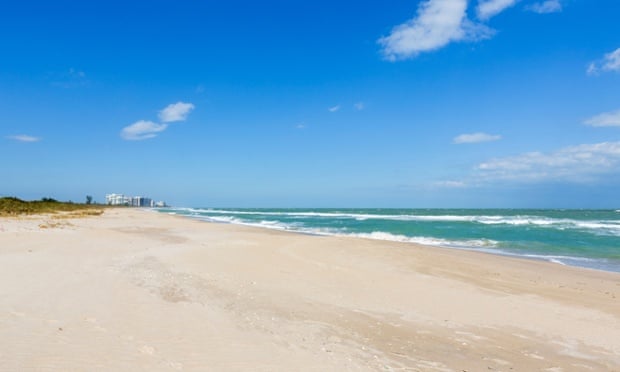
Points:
x=146, y=349
x=176, y=365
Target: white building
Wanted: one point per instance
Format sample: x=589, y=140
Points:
x=136, y=201
x=117, y=199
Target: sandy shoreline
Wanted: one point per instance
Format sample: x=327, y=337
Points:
x=136, y=290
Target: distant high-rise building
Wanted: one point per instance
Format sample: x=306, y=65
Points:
x=117, y=199
x=136, y=201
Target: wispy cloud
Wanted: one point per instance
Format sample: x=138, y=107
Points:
x=359, y=106
x=606, y=119
x=145, y=129
x=334, y=108
x=581, y=163
x=142, y=130
x=71, y=78
x=609, y=62
x=24, y=138
x=175, y=112
x=475, y=138
x=300, y=126
x=490, y=8
x=437, y=23
x=450, y=184
x=548, y=6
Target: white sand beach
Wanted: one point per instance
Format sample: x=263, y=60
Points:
x=135, y=290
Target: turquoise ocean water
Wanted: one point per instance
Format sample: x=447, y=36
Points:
x=586, y=238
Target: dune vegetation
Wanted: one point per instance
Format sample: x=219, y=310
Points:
x=12, y=206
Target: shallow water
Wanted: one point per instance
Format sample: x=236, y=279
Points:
x=586, y=238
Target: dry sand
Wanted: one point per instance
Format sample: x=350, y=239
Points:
x=139, y=291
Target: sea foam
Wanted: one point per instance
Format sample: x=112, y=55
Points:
x=569, y=237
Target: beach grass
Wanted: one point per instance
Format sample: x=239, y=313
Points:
x=12, y=206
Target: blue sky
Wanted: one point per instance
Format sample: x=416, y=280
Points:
x=435, y=103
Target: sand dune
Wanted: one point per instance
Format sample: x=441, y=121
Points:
x=137, y=290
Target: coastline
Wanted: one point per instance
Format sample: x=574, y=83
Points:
x=133, y=289
x=582, y=238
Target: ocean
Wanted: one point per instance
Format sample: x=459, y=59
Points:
x=585, y=238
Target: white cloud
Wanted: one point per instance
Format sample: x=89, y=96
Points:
x=450, y=184
x=490, y=8
x=606, y=119
x=142, y=130
x=76, y=74
x=581, y=163
x=548, y=6
x=437, y=23
x=24, y=138
x=300, y=126
x=334, y=109
x=175, y=112
x=359, y=106
x=610, y=62
x=475, y=138
x=592, y=69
